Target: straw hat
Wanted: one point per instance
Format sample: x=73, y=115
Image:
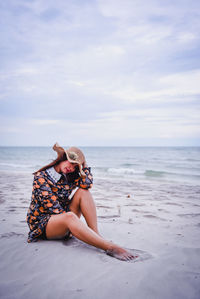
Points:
x=74, y=155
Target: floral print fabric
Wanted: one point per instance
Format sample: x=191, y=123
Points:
x=51, y=198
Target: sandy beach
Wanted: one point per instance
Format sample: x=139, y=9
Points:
x=162, y=227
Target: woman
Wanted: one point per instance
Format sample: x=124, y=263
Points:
x=60, y=195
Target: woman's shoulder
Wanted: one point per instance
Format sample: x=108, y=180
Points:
x=43, y=178
x=40, y=174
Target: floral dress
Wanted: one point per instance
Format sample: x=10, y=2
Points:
x=51, y=196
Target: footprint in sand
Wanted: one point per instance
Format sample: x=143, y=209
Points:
x=109, y=216
x=154, y=217
x=11, y=234
x=2, y=201
x=189, y=215
x=173, y=204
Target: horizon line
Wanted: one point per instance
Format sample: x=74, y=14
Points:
x=103, y=146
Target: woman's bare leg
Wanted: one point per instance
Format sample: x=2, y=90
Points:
x=58, y=225
x=83, y=202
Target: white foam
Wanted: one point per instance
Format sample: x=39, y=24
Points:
x=121, y=170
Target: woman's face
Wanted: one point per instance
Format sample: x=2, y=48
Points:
x=67, y=167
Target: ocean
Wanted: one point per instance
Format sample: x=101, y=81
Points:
x=144, y=164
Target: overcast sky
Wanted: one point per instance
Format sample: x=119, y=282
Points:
x=104, y=72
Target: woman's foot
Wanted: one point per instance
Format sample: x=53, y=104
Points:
x=121, y=254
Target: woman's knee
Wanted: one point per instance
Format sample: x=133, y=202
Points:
x=70, y=216
x=82, y=193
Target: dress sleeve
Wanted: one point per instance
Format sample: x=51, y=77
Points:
x=87, y=182
x=47, y=200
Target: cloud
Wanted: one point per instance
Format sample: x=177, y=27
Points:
x=43, y=122
x=107, y=70
x=176, y=87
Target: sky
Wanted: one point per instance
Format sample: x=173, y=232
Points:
x=100, y=72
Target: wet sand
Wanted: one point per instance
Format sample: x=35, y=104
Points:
x=158, y=220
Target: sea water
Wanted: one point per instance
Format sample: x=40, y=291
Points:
x=161, y=164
